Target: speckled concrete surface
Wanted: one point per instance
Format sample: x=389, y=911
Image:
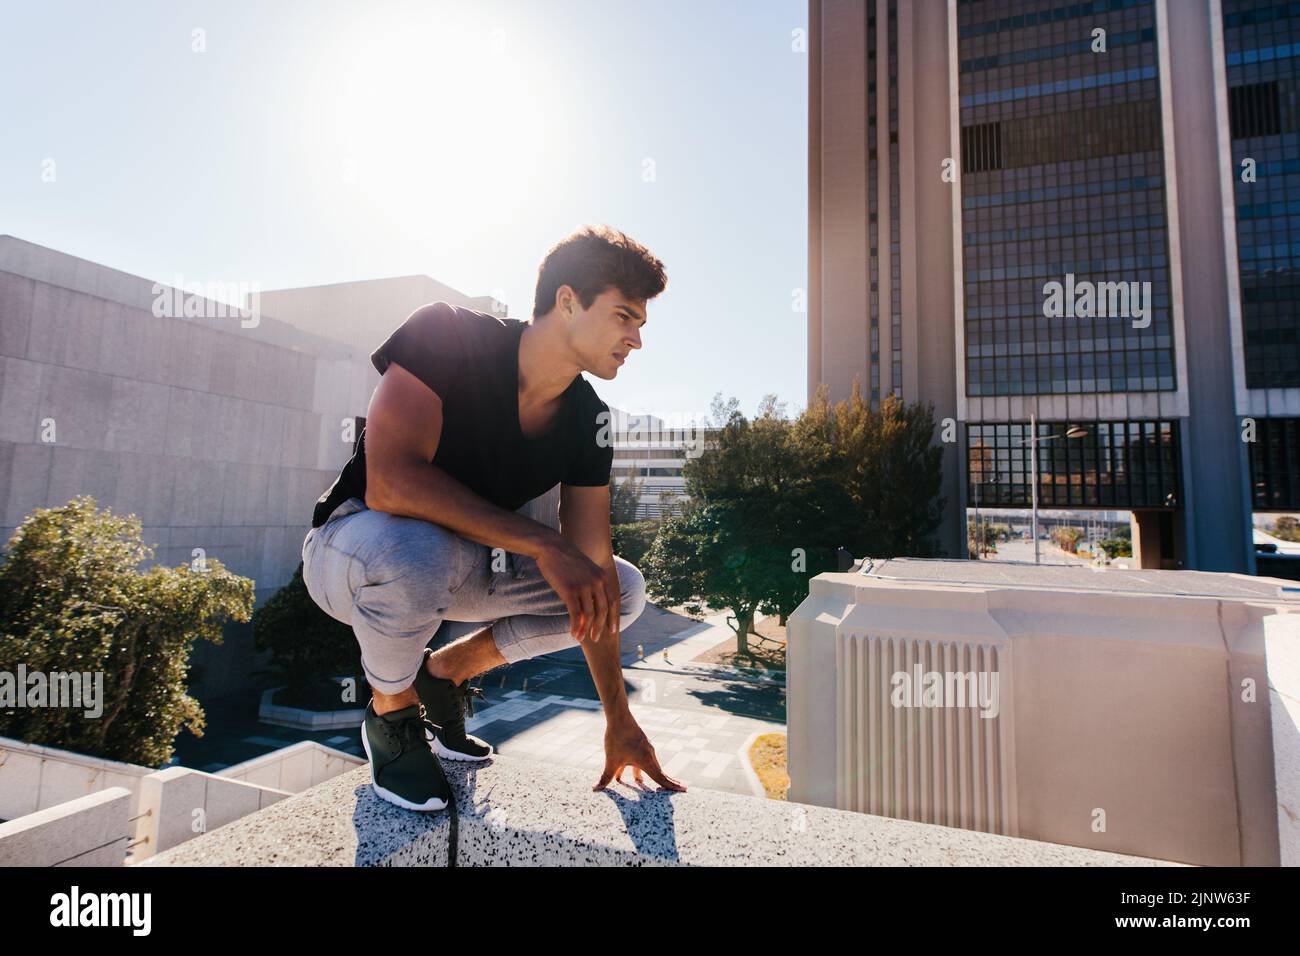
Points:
x=519, y=812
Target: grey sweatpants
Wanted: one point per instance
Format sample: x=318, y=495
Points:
x=395, y=579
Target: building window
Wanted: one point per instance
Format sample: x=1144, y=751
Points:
x=1275, y=464
x=1254, y=110
x=981, y=147
x=1115, y=465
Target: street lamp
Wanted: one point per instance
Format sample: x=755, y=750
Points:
x=1074, y=431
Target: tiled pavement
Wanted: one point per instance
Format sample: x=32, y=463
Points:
x=694, y=746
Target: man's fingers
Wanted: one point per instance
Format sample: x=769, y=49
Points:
x=658, y=776
x=600, y=613
x=575, y=617
x=606, y=776
x=585, y=598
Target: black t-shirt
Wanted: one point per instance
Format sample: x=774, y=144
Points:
x=471, y=360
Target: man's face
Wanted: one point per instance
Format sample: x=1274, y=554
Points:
x=604, y=335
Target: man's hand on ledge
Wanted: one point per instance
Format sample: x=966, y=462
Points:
x=626, y=746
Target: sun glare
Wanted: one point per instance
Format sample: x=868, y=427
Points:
x=428, y=122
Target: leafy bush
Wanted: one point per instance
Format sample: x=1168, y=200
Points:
x=631, y=541
x=1287, y=528
x=1067, y=537
x=1117, y=547
x=989, y=532
x=307, y=646
x=73, y=600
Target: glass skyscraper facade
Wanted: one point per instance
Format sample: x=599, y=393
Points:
x=1262, y=52
x=1062, y=172
x=1261, y=41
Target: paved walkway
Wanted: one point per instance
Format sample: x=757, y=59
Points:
x=696, y=747
x=696, y=743
x=1048, y=553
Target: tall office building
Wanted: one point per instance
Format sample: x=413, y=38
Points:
x=1091, y=229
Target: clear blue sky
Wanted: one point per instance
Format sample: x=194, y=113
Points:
x=318, y=142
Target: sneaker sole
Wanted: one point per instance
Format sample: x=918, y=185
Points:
x=432, y=804
x=442, y=750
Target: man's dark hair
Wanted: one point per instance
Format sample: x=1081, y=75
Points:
x=591, y=260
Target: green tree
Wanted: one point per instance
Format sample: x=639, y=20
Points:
x=991, y=533
x=1117, y=547
x=632, y=541
x=670, y=504
x=886, y=460
x=72, y=599
x=758, y=526
x=805, y=525
x=704, y=555
x=623, y=498
x=773, y=500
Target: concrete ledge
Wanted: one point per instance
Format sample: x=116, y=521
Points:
x=178, y=804
x=293, y=768
x=89, y=831
x=300, y=718
x=518, y=812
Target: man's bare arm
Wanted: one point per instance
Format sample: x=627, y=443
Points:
x=403, y=427
x=584, y=521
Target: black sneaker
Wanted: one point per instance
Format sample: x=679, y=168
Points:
x=445, y=703
x=403, y=768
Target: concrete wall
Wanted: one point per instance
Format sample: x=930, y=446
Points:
x=33, y=777
x=1130, y=703
x=362, y=314
x=926, y=233
x=179, y=804
x=88, y=831
x=838, y=266
x=294, y=768
x=1216, y=497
